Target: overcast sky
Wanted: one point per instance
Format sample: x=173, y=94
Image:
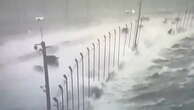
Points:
x=18, y=15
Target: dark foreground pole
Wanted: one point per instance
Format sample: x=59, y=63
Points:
x=46, y=75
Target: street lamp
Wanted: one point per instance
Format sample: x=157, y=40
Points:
x=43, y=46
x=130, y=12
x=39, y=19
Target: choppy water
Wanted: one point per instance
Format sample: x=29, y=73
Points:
x=167, y=84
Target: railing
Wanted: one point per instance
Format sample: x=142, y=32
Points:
x=97, y=63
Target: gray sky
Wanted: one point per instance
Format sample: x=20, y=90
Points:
x=17, y=16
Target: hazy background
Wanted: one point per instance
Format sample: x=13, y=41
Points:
x=17, y=16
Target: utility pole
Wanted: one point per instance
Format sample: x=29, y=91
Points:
x=43, y=46
x=46, y=75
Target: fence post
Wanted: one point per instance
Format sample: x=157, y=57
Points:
x=125, y=42
x=98, y=59
x=57, y=102
x=67, y=94
x=88, y=71
x=119, y=45
x=109, y=53
x=188, y=16
x=94, y=62
x=77, y=65
x=71, y=72
x=61, y=88
x=104, y=57
x=114, y=51
x=192, y=17
x=130, y=34
x=137, y=28
x=184, y=17
x=139, y=34
x=82, y=59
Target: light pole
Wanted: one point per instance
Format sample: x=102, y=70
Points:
x=67, y=94
x=61, y=88
x=43, y=46
x=39, y=19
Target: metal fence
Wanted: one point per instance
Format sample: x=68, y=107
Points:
x=99, y=61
